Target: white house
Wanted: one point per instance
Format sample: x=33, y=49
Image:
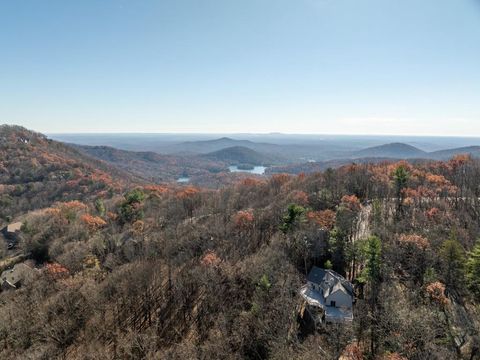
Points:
x=330, y=293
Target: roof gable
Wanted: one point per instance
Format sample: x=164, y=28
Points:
x=338, y=287
x=329, y=281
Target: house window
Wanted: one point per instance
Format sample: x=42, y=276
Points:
x=333, y=303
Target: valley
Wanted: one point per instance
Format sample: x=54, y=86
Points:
x=114, y=257
x=240, y=180
x=210, y=162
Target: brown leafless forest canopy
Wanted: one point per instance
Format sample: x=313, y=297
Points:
x=127, y=268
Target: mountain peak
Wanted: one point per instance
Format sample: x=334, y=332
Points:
x=392, y=150
x=15, y=133
x=240, y=155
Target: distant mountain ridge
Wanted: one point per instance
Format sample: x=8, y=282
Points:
x=209, y=146
x=193, y=158
x=236, y=155
x=449, y=153
x=294, y=153
x=406, y=151
x=152, y=166
x=392, y=150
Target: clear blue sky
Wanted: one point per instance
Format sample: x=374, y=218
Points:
x=297, y=66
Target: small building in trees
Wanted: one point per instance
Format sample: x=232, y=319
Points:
x=18, y=275
x=11, y=233
x=329, y=296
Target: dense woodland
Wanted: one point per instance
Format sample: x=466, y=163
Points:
x=154, y=167
x=36, y=171
x=133, y=271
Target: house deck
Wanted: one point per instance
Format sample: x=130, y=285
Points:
x=332, y=314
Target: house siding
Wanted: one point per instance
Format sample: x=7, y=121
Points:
x=341, y=299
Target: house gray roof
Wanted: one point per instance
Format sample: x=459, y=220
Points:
x=316, y=275
x=329, y=281
x=336, y=287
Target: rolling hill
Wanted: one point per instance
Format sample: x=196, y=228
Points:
x=406, y=151
x=449, y=153
x=209, y=146
x=36, y=171
x=236, y=155
x=393, y=150
x=151, y=166
x=278, y=153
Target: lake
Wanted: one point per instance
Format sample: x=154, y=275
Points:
x=183, y=180
x=257, y=170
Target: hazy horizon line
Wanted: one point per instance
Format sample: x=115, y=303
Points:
x=258, y=134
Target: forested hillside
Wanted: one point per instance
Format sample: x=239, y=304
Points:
x=179, y=272
x=36, y=171
x=394, y=150
x=238, y=155
x=154, y=167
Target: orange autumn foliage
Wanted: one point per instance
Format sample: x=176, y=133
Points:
x=381, y=174
x=419, y=193
x=415, y=240
x=187, y=192
x=52, y=211
x=100, y=176
x=138, y=226
x=112, y=216
x=409, y=192
x=158, y=189
x=325, y=219
x=300, y=197
x=351, y=202
x=352, y=352
x=251, y=182
x=459, y=160
x=436, y=292
x=210, y=259
x=244, y=218
x=432, y=213
x=93, y=222
x=279, y=180
x=438, y=180
x=73, y=205
x=57, y=271
x=393, y=356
